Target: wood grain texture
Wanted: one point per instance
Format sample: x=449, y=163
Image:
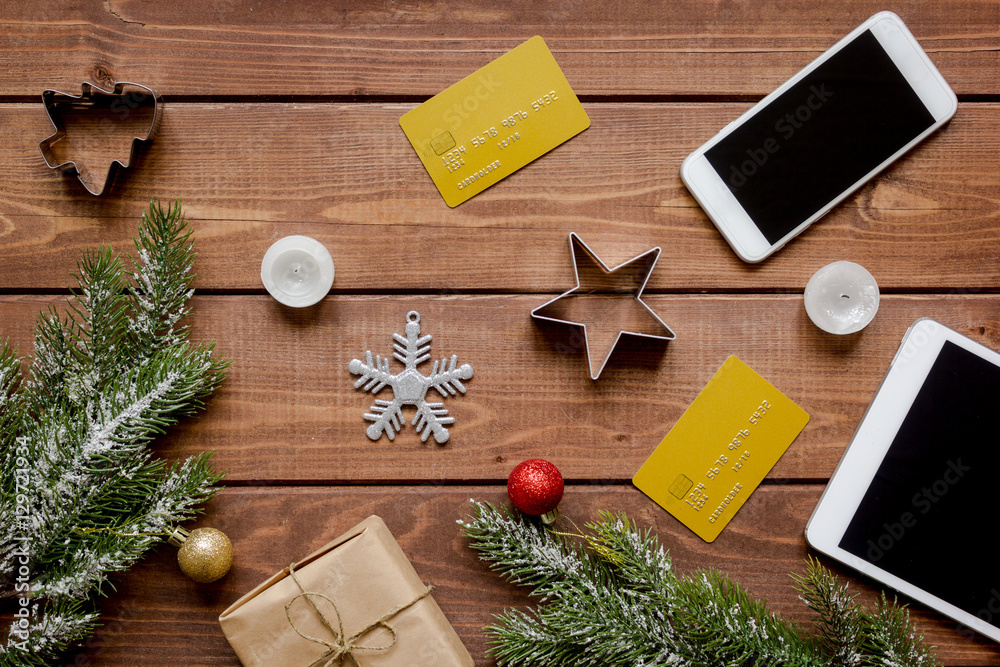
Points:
x=160, y=617
x=282, y=118
x=289, y=412
x=344, y=48
x=346, y=175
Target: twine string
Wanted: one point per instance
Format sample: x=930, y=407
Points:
x=342, y=647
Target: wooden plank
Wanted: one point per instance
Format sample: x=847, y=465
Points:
x=345, y=48
x=345, y=174
x=314, y=150
x=158, y=617
x=289, y=410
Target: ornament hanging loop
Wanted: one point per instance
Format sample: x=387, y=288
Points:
x=178, y=537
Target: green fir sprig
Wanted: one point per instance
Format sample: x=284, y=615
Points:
x=82, y=497
x=613, y=599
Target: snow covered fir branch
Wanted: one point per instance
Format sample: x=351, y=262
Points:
x=82, y=497
x=612, y=598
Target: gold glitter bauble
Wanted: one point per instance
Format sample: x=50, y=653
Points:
x=205, y=555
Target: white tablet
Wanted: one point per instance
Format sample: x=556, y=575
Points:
x=913, y=502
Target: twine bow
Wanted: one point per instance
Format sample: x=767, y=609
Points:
x=342, y=647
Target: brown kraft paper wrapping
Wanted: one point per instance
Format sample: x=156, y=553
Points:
x=367, y=575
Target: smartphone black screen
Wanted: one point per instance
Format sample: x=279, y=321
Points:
x=820, y=137
x=929, y=515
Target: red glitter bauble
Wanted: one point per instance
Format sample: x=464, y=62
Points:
x=535, y=487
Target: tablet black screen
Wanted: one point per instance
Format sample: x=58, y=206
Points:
x=929, y=516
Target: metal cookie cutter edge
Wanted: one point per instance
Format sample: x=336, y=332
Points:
x=574, y=238
x=86, y=94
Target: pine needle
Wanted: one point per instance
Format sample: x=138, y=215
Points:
x=611, y=598
x=81, y=496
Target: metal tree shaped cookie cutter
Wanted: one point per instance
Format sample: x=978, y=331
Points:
x=598, y=279
x=115, y=100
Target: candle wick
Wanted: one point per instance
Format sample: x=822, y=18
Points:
x=844, y=296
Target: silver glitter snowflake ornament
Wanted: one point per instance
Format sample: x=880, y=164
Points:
x=410, y=387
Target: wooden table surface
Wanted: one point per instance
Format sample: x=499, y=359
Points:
x=282, y=118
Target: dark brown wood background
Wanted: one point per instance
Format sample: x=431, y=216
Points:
x=281, y=118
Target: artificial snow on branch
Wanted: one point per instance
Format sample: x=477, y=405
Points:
x=81, y=495
x=611, y=598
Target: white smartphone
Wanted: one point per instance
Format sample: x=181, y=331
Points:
x=825, y=132
x=913, y=501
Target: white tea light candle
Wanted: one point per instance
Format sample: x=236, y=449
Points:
x=297, y=271
x=841, y=298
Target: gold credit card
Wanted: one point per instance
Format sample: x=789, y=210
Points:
x=494, y=121
x=721, y=449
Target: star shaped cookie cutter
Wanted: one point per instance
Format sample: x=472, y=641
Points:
x=117, y=102
x=630, y=278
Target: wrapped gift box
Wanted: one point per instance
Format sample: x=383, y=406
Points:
x=360, y=577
